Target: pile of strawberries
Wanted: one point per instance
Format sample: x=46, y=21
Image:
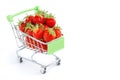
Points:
x=42, y=26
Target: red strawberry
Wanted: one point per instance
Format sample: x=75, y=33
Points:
x=22, y=26
x=29, y=19
x=58, y=32
x=50, y=21
x=38, y=19
x=49, y=35
x=29, y=29
x=38, y=32
x=29, y=32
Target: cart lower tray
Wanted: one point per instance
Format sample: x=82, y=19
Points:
x=45, y=61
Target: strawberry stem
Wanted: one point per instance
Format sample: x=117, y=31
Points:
x=57, y=27
x=51, y=31
x=29, y=26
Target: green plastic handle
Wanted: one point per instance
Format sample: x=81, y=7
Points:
x=10, y=17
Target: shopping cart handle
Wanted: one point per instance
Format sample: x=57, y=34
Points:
x=10, y=17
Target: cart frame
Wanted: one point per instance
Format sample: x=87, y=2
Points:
x=53, y=46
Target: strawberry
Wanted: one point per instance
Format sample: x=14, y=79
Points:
x=57, y=31
x=28, y=29
x=50, y=21
x=22, y=26
x=49, y=35
x=38, y=19
x=38, y=31
x=29, y=32
x=29, y=19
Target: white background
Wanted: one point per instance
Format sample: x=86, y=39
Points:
x=92, y=40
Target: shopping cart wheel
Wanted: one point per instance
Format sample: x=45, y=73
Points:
x=43, y=70
x=21, y=60
x=58, y=62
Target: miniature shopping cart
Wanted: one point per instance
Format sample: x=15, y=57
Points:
x=22, y=44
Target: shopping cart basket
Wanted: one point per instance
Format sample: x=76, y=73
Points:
x=22, y=43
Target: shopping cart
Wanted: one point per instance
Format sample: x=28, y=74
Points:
x=22, y=43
